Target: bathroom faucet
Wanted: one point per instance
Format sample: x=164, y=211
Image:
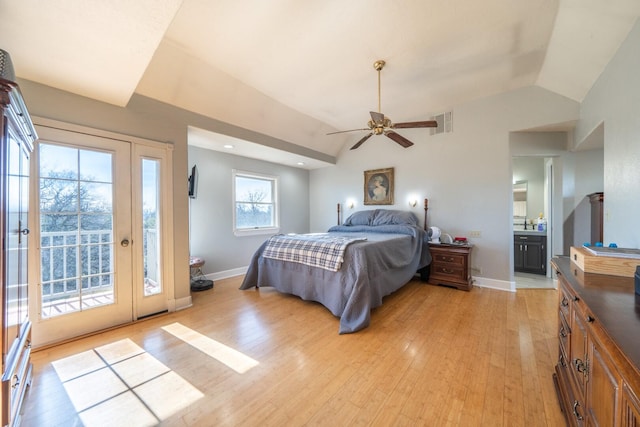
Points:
x=525, y=223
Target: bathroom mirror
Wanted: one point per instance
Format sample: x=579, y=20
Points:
x=520, y=200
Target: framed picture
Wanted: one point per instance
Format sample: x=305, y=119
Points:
x=378, y=187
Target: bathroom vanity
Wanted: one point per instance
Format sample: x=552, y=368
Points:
x=530, y=251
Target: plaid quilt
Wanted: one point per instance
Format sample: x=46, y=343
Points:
x=316, y=250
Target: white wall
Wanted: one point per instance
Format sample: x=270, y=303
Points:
x=615, y=101
x=466, y=174
x=211, y=212
x=589, y=178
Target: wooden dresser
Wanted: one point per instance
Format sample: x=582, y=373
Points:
x=451, y=265
x=17, y=135
x=598, y=372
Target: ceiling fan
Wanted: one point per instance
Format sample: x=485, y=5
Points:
x=379, y=124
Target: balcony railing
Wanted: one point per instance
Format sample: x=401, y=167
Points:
x=77, y=270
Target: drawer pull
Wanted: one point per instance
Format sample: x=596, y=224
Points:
x=590, y=319
x=16, y=382
x=563, y=333
x=446, y=270
x=580, y=366
x=564, y=302
x=575, y=411
x=576, y=299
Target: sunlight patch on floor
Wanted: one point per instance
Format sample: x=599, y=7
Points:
x=121, y=384
x=234, y=359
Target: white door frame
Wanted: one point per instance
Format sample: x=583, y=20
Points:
x=137, y=307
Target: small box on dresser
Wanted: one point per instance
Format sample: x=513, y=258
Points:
x=451, y=265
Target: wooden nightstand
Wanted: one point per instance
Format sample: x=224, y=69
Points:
x=451, y=265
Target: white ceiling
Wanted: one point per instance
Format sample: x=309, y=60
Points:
x=295, y=70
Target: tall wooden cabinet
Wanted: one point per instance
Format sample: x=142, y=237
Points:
x=17, y=135
x=598, y=371
x=597, y=215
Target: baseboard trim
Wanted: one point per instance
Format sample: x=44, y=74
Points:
x=501, y=285
x=180, y=303
x=227, y=273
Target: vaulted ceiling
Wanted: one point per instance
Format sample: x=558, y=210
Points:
x=296, y=70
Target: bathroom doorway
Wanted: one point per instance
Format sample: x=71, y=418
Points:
x=536, y=174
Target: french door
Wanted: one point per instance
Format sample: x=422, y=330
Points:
x=98, y=217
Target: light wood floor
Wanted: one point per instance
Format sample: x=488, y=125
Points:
x=534, y=281
x=432, y=356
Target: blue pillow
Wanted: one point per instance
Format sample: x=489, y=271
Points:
x=360, y=218
x=390, y=217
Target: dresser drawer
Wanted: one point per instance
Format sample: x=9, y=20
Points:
x=563, y=303
x=529, y=238
x=16, y=377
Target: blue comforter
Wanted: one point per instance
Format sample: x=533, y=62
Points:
x=372, y=268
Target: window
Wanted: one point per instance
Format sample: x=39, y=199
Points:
x=255, y=204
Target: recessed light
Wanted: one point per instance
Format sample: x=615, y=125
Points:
x=300, y=163
x=228, y=146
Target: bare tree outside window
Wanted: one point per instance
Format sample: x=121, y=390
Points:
x=76, y=226
x=255, y=202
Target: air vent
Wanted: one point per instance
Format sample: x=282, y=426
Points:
x=6, y=67
x=445, y=123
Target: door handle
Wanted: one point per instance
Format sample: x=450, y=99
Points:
x=124, y=243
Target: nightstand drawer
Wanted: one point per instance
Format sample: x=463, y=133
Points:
x=451, y=260
x=447, y=270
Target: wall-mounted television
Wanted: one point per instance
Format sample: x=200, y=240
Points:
x=192, y=182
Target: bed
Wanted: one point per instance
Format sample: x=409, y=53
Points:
x=383, y=250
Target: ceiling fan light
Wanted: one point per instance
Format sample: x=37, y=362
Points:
x=380, y=124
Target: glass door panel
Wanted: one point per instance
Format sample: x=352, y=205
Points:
x=16, y=228
x=83, y=222
x=150, y=222
x=76, y=229
x=152, y=214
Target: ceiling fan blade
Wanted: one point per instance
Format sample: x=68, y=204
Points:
x=399, y=139
x=423, y=124
x=359, y=143
x=377, y=118
x=344, y=131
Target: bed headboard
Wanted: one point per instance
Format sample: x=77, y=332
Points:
x=426, y=208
